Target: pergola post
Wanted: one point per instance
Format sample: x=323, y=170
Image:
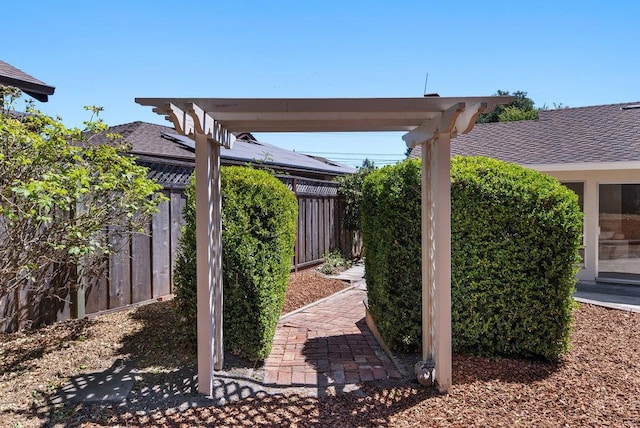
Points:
x=208, y=261
x=436, y=262
x=441, y=305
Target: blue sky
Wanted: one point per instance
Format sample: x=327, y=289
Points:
x=107, y=53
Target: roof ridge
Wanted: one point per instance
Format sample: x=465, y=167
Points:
x=592, y=106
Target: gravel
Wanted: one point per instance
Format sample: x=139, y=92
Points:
x=596, y=384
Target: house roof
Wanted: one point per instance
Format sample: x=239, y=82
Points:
x=149, y=140
x=596, y=134
x=12, y=76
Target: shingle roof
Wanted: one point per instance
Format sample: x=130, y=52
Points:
x=595, y=134
x=158, y=141
x=12, y=76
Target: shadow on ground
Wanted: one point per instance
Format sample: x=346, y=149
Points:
x=154, y=371
x=19, y=356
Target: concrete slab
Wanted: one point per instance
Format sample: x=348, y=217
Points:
x=622, y=297
x=110, y=386
x=352, y=275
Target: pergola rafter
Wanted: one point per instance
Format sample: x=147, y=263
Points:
x=429, y=121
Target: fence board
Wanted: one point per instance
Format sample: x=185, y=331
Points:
x=326, y=225
x=308, y=255
x=161, y=248
x=97, y=295
x=321, y=246
x=120, y=272
x=314, y=230
x=141, y=266
x=177, y=202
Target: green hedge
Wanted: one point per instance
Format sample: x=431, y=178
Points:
x=391, y=236
x=259, y=217
x=515, y=239
x=514, y=248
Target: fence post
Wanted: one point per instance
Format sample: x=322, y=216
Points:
x=78, y=309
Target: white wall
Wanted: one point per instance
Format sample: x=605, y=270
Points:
x=592, y=179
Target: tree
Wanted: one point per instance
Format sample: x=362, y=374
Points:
x=521, y=108
x=58, y=196
x=350, y=190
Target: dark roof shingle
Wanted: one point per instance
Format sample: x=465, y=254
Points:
x=149, y=140
x=595, y=134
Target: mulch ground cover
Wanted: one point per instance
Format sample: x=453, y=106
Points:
x=596, y=384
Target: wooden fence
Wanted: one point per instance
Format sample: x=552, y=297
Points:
x=143, y=269
x=320, y=221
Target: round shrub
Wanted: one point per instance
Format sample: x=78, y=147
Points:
x=259, y=218
x=515, y=235
x=391, y=236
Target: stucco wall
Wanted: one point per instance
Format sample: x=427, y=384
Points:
x=592, y=178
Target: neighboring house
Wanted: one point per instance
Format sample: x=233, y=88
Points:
x=595, y=151
x=152, y=143
x=11, y=76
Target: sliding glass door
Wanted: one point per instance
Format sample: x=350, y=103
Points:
x=619, y=240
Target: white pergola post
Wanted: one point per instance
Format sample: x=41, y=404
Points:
x=435, y=136
x=208, y=261
x=436, y=259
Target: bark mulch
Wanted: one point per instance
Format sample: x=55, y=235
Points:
x=596, y=384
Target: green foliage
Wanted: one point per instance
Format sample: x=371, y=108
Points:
x=57, y=197
x=391, y=234
x=515, y=240
x=521, y=108
x=334, y=262
x=259, y=217
x=350, y=191
x=514, y=114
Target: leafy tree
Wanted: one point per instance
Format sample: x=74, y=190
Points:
x=521, y=108
x=58, y=196
x=514, y=114
x=350, y=190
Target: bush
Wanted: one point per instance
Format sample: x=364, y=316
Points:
x=259, y=218
x=515, y=239
x=391, y=234
x=334, y=262
x=57, y=197
x=350, y=191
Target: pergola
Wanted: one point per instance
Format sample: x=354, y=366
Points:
x=428, y=121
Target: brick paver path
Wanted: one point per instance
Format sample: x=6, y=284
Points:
x=327, y=344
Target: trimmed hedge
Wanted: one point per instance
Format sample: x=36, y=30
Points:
x=391, y=235
x=259, y=217
x=515, y=239
x=514, y=245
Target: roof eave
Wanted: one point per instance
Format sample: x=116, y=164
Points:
x=38, y=91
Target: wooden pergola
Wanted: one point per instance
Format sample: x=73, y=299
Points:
x=429, y=121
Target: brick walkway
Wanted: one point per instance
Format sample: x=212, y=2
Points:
x=328, y=344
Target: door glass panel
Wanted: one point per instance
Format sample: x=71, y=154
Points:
x=619, y=221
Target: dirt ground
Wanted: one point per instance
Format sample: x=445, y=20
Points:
x=596, y=384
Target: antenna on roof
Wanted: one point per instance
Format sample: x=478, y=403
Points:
x=424, y=93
